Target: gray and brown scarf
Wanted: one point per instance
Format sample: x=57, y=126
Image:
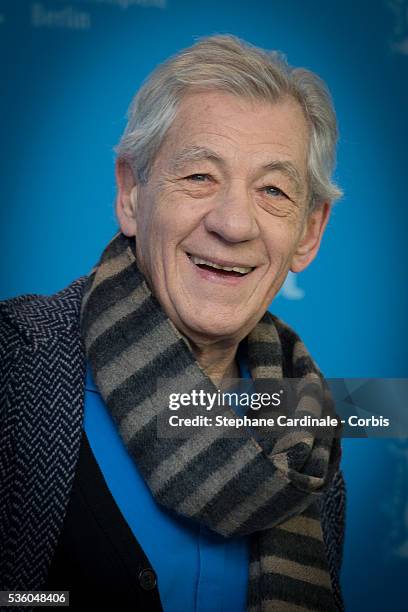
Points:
x=234, y=486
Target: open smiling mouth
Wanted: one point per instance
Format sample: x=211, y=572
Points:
x=226, y=271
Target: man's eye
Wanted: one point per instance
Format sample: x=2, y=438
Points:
x=199, y=178
x=274, y=191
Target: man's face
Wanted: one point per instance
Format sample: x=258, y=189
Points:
x=228, y=188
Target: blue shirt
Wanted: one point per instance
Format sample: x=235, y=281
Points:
x=197, y=569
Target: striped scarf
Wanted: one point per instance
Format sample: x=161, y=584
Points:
x=265, y=489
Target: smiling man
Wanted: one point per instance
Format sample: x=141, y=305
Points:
x=223, y=187
x=223, y=217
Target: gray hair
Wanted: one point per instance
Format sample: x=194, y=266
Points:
x=227, y=63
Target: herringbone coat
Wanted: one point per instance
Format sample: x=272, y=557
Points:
x=42, y=375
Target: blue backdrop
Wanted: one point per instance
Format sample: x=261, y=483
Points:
x=70, y=71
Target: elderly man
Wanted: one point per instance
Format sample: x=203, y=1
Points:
x=223, y=186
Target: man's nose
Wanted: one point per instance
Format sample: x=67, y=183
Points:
x=232, y=216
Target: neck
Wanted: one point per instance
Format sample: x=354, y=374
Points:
x=218, y=362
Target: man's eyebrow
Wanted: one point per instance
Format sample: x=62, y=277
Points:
x=194, y=153
x=291, y=171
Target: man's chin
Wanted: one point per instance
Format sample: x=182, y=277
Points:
x=213, y=328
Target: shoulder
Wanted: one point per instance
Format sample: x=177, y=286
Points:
x=41, y=355
x=33, y=318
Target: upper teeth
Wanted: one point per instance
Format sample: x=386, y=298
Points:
x=197, y=260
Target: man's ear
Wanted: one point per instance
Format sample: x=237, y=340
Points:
x=126, y=199
x=309, y=242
